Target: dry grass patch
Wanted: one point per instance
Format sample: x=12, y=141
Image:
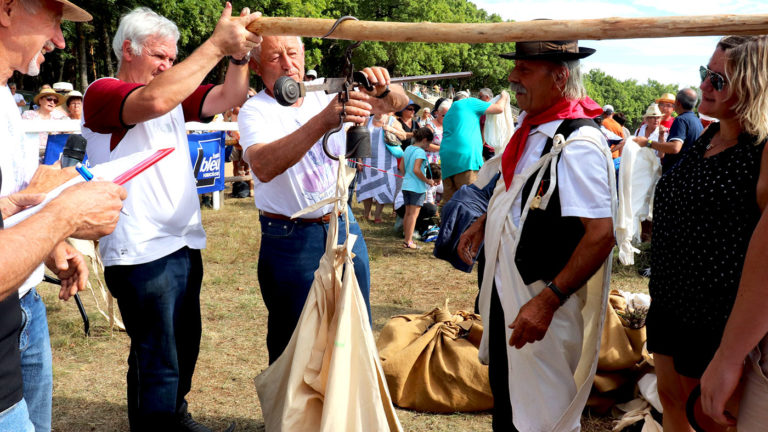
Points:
x=89, y=373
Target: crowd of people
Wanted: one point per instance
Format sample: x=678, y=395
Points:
x=548, y=227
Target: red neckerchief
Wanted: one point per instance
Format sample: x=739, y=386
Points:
x=563, y=109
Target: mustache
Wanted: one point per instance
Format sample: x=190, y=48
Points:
x=517, y=88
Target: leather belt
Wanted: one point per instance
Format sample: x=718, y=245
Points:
x=326, y=218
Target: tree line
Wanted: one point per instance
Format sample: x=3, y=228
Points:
x=89, y=55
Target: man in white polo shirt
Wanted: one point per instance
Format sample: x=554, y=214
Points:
x=291, y=171
x=153, y=262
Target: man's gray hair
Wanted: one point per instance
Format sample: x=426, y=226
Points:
x=256, y=51
x=574, y=87
x=688, y=98
x=139, y=25
x=486, y=92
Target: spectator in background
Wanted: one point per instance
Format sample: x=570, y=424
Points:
x=425, y=118
x=407, y=119
x=436, y=125
x=63, y=88
x=461, y=150
x=485, y=95
x=47, y=101
x=17, y=97
x=415, y=183
x=240, y=189
x=666, y=105
x=685, y=129
x=75, y=105
x=377, y=181
x=611, y=124
x=310, y=75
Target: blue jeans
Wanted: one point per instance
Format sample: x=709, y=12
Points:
x=160, y=305
x=36, y=361
x=16, y=419
x=289, y=255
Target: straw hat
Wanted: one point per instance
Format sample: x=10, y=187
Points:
x=48, y=92
x=74, y=13
x=652, y=111
x=666, y=97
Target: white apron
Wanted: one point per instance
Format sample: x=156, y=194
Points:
x=550, y=380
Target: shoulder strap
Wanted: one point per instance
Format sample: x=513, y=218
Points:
x=566, y=128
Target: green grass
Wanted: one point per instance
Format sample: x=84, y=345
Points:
x=89, y=373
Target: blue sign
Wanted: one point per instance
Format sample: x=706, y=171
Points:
x=206, y=151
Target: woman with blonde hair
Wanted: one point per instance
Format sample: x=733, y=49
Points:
x=705, y=213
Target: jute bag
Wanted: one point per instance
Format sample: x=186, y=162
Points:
x=622, y=350
x=329, y=377
x=430, y=361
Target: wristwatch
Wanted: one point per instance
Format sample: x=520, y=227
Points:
x=384, y=93
x=242, y=61
x=563, y=297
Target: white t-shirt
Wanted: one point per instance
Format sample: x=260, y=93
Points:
x=163, y=211
x=312, y=179
x=18, y=164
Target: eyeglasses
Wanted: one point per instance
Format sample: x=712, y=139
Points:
x=410, y=109
x=51, y=99
x=718, y=81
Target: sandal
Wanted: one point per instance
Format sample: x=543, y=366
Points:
x=378, y=221
x=411, y=245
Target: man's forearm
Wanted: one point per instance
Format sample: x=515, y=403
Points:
x=232, y=92
x=589, y=255
x=272, y=159
x=667, y=147
x=24, y=247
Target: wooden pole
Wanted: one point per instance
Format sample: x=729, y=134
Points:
x=593, y=29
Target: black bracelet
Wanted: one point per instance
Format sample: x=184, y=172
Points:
x=563, y=297
x=240, y=62
x=384, y=93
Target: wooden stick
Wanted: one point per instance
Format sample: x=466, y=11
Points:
x=595, y=29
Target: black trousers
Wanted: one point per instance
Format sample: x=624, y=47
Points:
x=497, y=367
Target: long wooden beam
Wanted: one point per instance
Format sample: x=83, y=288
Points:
x=595, y=29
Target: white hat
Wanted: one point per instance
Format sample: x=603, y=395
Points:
x=608, y=109
x=312, y=73
x=652, y=111
x=72, y=94
x=63, y=87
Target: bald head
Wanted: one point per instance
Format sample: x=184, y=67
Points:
x=686, y=99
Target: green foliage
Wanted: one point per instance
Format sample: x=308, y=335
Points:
x=196, y=20
x=627, y=97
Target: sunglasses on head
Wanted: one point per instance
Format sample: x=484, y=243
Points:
x=718, y=81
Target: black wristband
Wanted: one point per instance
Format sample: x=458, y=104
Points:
x=240, y=62
x=384, y=93
x=563, y=297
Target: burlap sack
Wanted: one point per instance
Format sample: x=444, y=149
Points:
x=430, y=362
x=621, y=348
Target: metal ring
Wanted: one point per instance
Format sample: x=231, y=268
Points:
x=336, y=24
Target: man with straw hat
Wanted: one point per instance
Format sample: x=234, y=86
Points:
x=28, y=30
x=544, y=237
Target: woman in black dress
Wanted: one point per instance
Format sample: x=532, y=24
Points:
x=705, y=211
